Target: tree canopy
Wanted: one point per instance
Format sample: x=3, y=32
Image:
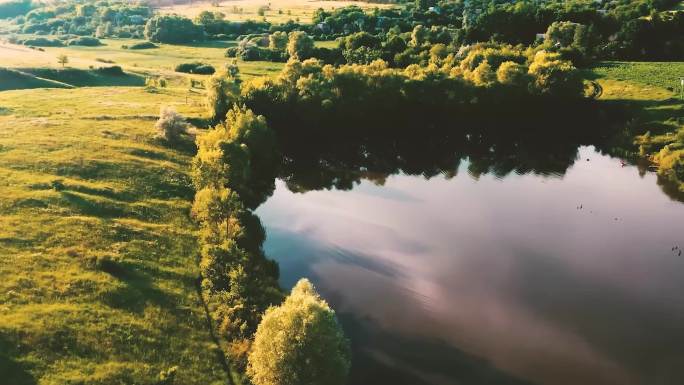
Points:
x=300, y=343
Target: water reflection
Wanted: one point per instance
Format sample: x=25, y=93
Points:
x=487, y=279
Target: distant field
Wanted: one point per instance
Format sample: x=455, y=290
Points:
x=160, y=60
x=97, y=252
x=277, y=13
x=639, y=80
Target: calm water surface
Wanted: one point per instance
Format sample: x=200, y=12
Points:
x=496, y=280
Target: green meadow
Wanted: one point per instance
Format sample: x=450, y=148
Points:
x=97, y=252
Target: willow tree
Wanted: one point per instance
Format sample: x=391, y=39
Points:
x=300, y=343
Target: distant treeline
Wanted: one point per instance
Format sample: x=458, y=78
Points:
x=624, y=29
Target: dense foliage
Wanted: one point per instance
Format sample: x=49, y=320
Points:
x=233, y=172
x=300, y=342
x=195, y=68
x=172, y=29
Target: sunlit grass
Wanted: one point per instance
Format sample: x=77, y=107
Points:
x=280, y=11
x=97, y=253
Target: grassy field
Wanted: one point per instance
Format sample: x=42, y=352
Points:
x=156, y=61
x=97, y=252
x=279, y=11
x=652, y=91
x=11, y=79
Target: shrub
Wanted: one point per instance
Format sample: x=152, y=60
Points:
x=86, y=41
x=143, y=45
x=113, y=71
x=43, y=42
x=195, y=68
x=170, y=125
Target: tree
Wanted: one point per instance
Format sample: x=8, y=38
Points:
x=419, y=35
x=555, y=76
x=170, y=124
x=172, y=29
x=277, y=41
x=299, y=45
x=300, y=343
x=222, y=90
x=62, y=59
x=511, y=73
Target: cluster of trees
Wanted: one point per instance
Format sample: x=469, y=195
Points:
x=233, y=172
x=281, y=46
x=14, y=8
x=238, y=282
x=100, y=19
x=667, y=152
x=172, y=29
x=485, y=73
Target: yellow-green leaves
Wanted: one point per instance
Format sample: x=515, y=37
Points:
x=300, y=343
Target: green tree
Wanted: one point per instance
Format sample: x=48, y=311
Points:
x=277, y=41
x=419, y=35
x=300, y=45
x=172, y=29
x=63, y=60
x=511, y=73
x=300, y=343
x=555, y=76
x=223, y=88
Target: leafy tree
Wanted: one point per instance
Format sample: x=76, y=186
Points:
x=300, y=45
x=300, y=343
x=419, y=35
x=277, y=41
x=172, y=29
x=63, y=60
x=511, y=73
x=222, y=90
x=555, y=76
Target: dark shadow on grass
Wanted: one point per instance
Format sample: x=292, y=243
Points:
x=139, y=288
x=93, y=208
x=122, y=196
x=88, y=78
x=211, y=44
x=11, y=370
x=200, y=122
x=142, y=181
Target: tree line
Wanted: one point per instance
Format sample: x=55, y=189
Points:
x=272, y=338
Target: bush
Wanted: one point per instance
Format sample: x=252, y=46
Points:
x=86, y=41
x=170, y=125
x=195, y=68
x=113, y=71
x=43, y=42
x=143, y=45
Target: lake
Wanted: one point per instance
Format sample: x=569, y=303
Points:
x=564, y=278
